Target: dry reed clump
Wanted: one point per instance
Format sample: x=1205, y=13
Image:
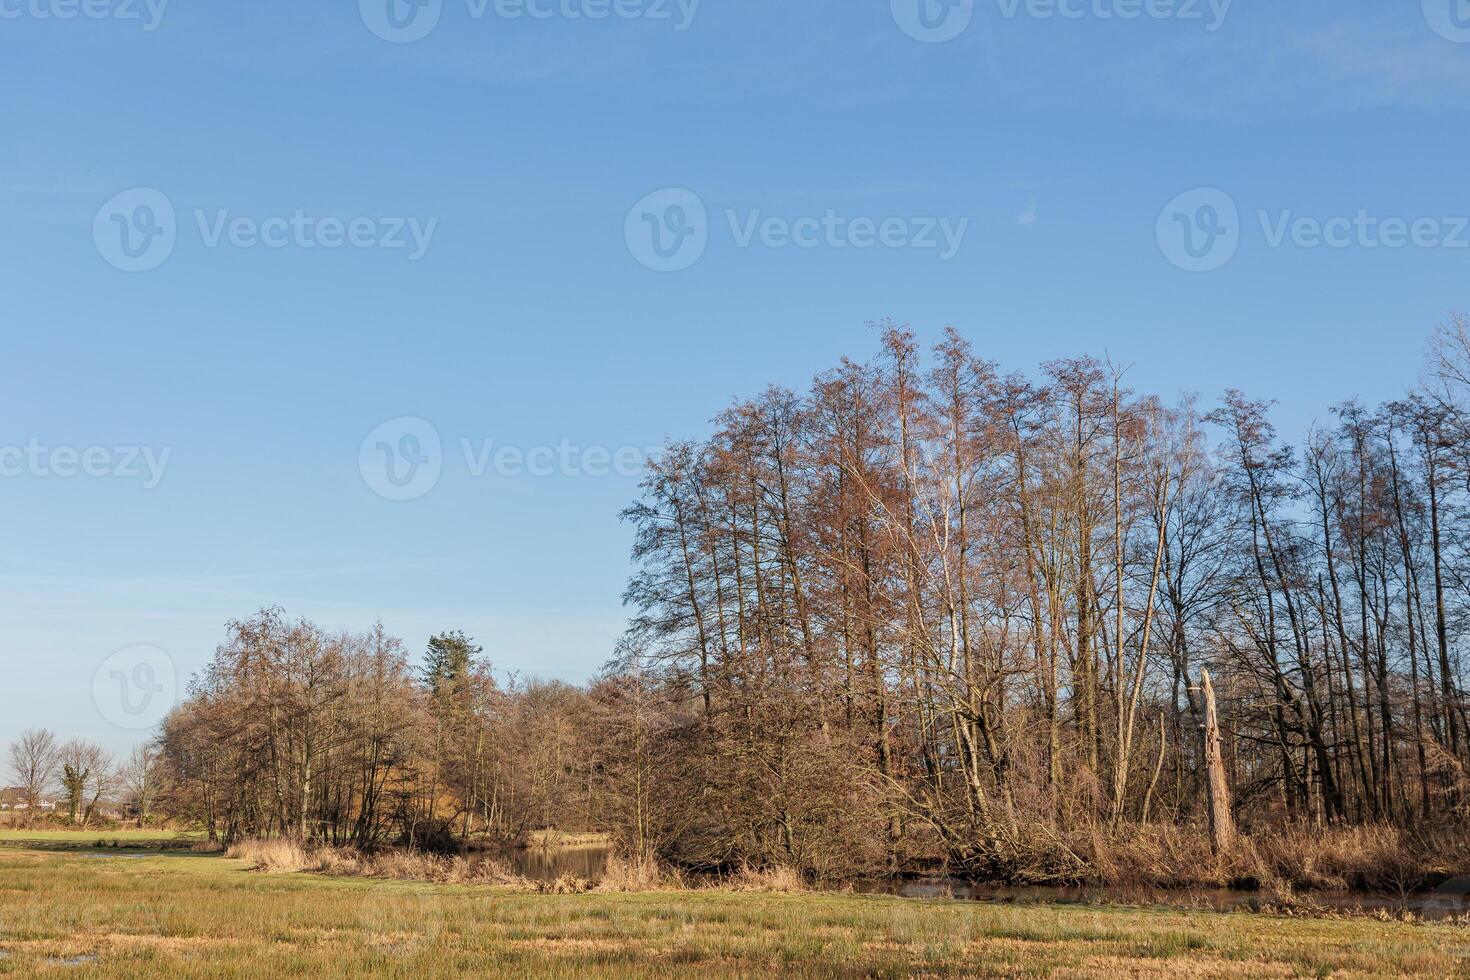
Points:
x=1036, y=853
x=413, y=866
x=1279, y=860
x=771, y=878
x=291, y=857
x=645, y=873
x=1155, y=856
x=566, y=884
x=273, y=856
x=642, y=873
x=1373, y=857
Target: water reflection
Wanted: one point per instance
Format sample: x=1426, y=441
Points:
x=1450, y=900
x=550, y=863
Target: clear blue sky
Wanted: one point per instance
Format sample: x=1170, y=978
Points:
x=528, y=319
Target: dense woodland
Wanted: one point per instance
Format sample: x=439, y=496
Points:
x=923, y=610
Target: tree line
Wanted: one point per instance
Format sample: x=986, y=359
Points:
x=344, y=738
x=927, y=604
x=924, y=608
x=83, y=776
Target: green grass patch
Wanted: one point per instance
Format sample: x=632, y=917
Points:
x=95, y=840
x=89, y=836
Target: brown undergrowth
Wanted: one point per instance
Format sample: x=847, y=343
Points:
x=1276, y=859
x=281, y=856
x=1283, y=863
x=622, y=874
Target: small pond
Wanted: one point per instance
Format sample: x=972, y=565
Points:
x=1449, y=900
x=550, y=863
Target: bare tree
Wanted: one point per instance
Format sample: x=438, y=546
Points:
x=913, y=614
x=33, y=764
x=86, y=778
x=141, y=781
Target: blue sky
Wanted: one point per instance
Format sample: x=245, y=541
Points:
x=519, y=147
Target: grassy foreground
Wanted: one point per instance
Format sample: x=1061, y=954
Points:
x=80, y=913
x=88, y=839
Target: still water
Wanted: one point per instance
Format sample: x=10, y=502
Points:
x=550, y=863
x=1449, y=900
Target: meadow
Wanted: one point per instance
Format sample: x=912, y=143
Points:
x=70, y=909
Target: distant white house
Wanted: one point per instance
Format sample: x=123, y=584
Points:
x=14, y=798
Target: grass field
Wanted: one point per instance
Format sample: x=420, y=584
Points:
x=88, y=838
x=81, y=913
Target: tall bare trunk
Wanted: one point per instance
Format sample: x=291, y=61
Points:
x=1222, y=823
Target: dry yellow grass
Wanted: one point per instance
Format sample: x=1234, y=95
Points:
x=289, y=857
x=75, y=914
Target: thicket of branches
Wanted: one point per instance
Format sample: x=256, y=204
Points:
x=89, y=784
x=924, y=609
x=295, y=732
x=932, y=606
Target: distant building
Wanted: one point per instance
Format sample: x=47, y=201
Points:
x=14, y=798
